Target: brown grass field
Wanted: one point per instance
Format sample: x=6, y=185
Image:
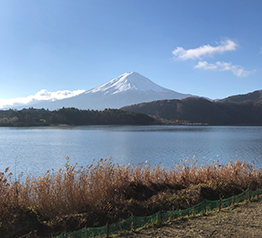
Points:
x=75, y=197
x=242, y=220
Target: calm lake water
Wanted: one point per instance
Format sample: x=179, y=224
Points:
x=40, y=149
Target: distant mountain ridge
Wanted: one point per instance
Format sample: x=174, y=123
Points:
x=255, y=96
x=199, y=110
x=127, y=89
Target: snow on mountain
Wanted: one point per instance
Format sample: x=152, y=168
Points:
x=128, y=81
x=128, y=88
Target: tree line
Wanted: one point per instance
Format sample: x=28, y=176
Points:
x=200, y=110
x=71, y=116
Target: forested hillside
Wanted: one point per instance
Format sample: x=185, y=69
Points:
x=255, y=96
x=200, y=110
x=71, y=116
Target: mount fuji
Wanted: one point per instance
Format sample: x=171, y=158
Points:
x=127, y=89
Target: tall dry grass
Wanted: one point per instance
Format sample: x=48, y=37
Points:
x=74, y=189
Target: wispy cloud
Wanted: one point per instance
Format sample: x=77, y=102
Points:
x=41, y=95
x=205, y=65
x=223, y=66
x=204, y=51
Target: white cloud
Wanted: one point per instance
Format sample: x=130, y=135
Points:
x=204, y=51
x=223, y=66
x=41, y=95
x=45, y=95
x=205, y=65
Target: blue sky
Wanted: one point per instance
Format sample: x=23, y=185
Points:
x=206, y=48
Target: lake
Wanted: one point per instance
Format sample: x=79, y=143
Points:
x=38, y=149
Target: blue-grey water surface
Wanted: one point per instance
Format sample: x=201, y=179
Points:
x=38, y=149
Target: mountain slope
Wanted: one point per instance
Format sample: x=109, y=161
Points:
x=127, y=89
x=200, y=110
x=255, y=96
x=128, y=81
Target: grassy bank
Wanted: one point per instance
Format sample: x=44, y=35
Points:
x=75, y=197
x=240, y=220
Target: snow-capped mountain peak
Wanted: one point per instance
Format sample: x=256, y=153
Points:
x=128, y=88
x=128, y=81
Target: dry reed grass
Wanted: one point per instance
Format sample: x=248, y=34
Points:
x=110, y=191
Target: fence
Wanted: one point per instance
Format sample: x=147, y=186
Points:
x=160, y=217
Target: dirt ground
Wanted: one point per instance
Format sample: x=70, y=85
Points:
x=242, y=220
